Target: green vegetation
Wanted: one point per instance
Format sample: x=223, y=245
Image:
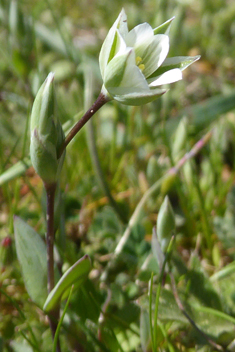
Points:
x=116, y=174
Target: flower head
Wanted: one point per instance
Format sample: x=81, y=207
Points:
x=134, y=65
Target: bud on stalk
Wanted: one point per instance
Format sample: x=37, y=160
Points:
x=47, y=134
x=165, y=224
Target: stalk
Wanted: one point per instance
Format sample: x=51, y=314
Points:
x=100, y=101
x=54, y=315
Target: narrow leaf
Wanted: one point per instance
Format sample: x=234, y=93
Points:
x=31, y=253
x=145, y=333
x=77, y=274
x=201, y=115
x=156, y=248
x=16, y=170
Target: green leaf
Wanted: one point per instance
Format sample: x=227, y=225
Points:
x=110, y=339
x=77, y=274
x=214, y=323
x=223, y=281
x=201, y=115
x=200, y=286
x=168, y=309
x=145, y=334
x=31, y=253
x=16, y=170
x=20, y=347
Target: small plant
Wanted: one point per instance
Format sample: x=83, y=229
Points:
x=132, y=65
x=120, y=285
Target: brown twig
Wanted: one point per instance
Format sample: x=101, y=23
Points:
x=100, y=101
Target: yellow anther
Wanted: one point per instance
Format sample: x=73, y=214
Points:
x=141, y=67
x=138, y=60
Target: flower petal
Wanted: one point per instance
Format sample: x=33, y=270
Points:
x=122, y=74
x=182, y=62
x=109, y=42
x=170, y=76
x=154, y=54
x=139, y=34
x=139, y=98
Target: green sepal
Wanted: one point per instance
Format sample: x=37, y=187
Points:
x=164, y=28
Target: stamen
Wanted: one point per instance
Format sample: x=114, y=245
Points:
x=138, y=61
x=141, y=67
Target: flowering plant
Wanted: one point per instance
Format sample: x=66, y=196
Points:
x=134, y=64
x=134, y=67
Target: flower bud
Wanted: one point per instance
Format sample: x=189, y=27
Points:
x=165, y=224
x=47, y=134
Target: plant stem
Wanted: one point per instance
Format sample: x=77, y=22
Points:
x=54, y=315
x=50, y=191
x=100, y=101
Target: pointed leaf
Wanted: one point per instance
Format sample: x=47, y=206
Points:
x=145, y=334
x=201, y=115
x=156, y=249
x=77, y=274
x=31, y=253
x=16, y=170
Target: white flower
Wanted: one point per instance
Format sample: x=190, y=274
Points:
x=133, y=64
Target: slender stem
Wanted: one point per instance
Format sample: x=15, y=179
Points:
x=54, y=315
x=50, y=191
x=100, y=101
x=150, y=311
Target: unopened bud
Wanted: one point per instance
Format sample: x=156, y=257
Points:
x=47, y=134
x=165, y=224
